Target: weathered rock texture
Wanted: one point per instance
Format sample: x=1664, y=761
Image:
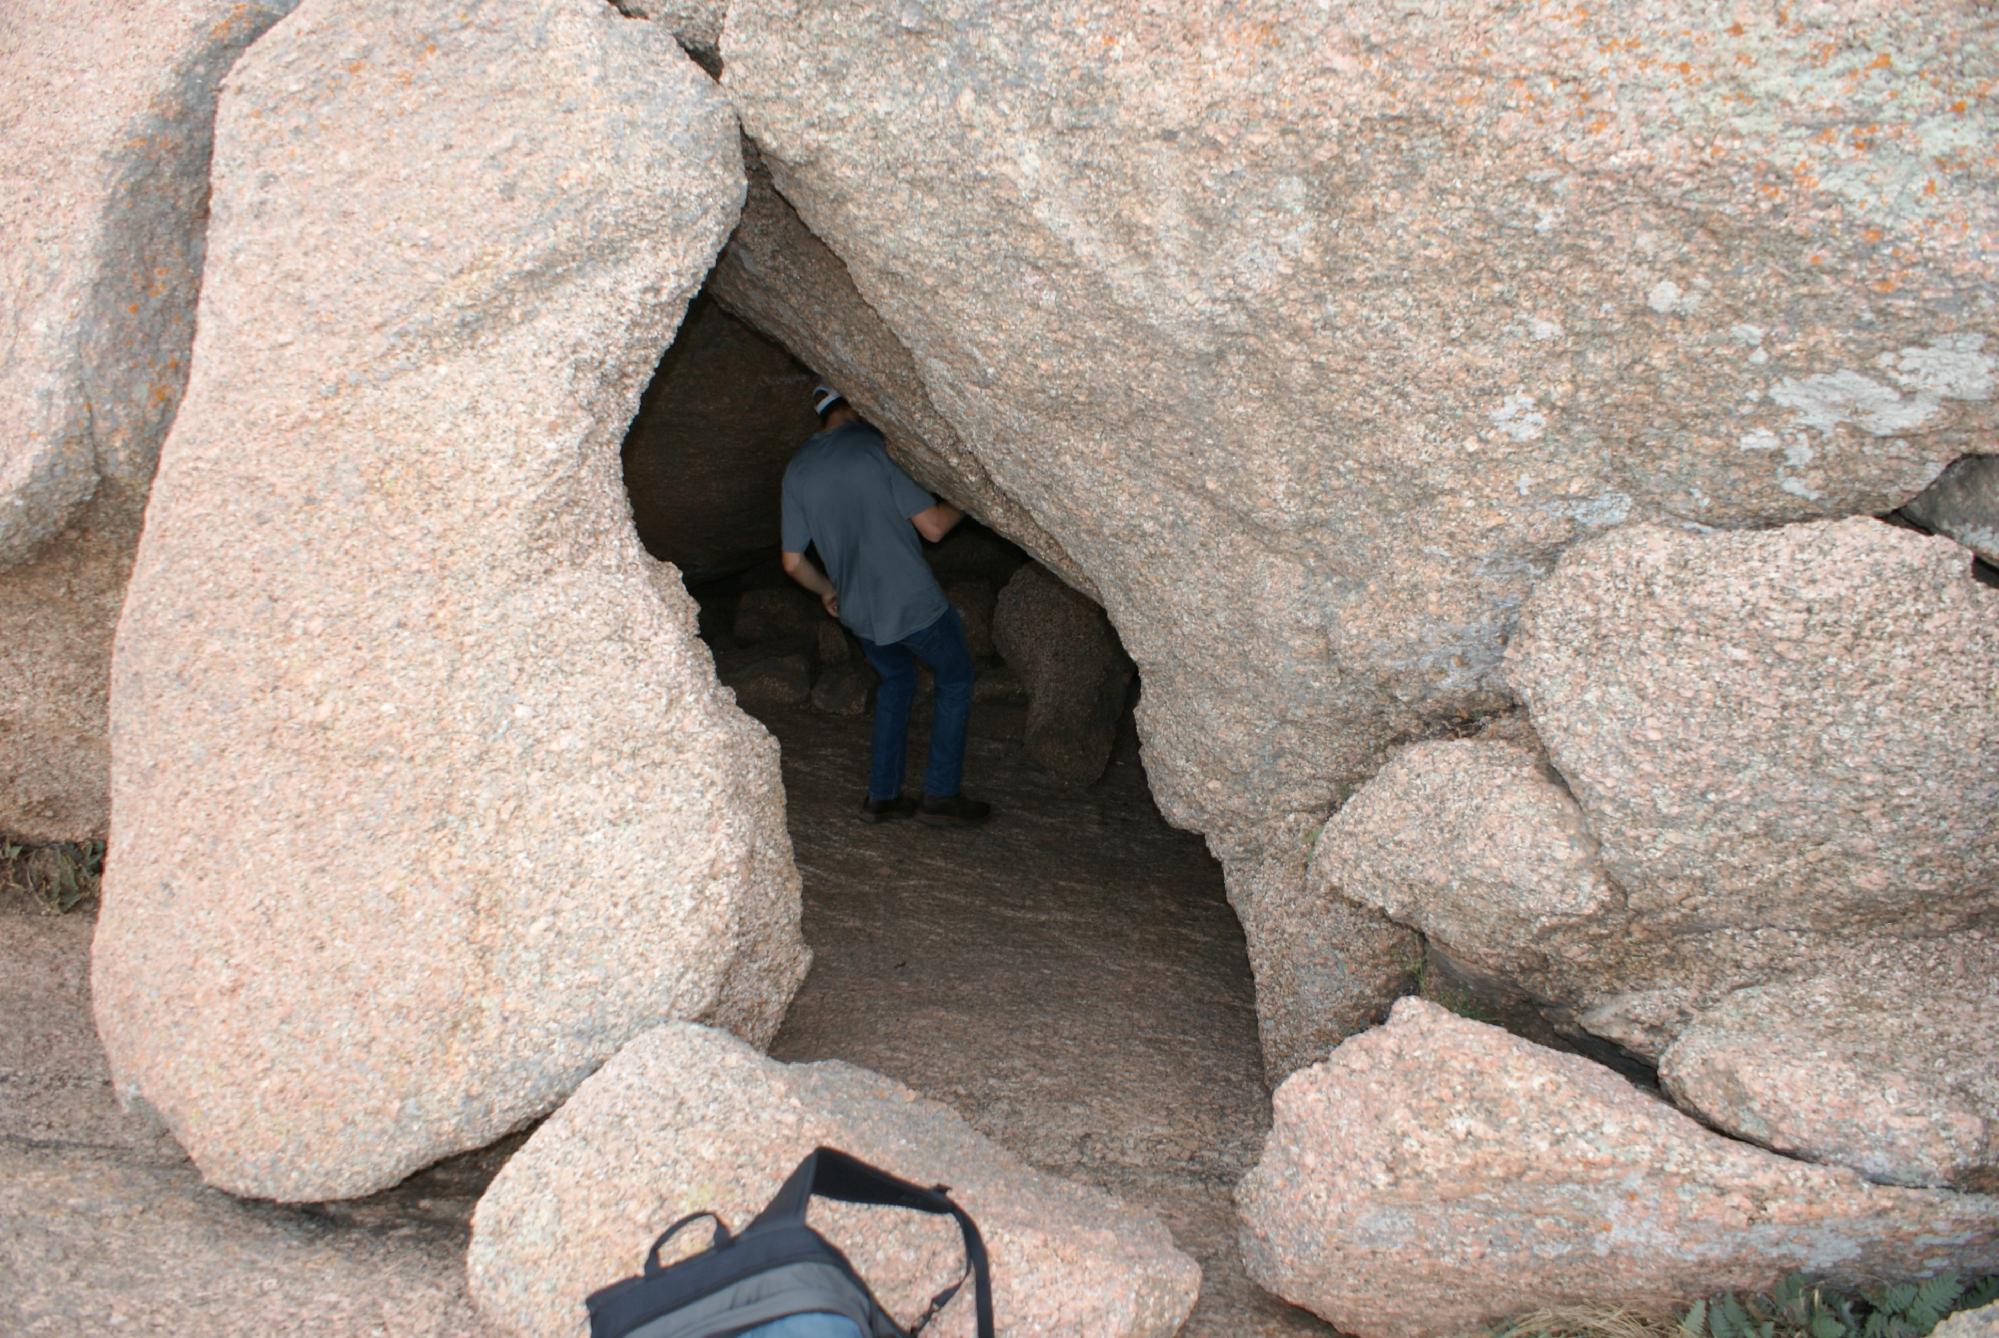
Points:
x=1889, y=1068
x=1785, y=744
x=705, y=457
x=686, y=1119
x=427, y=798
x=1980, y=1323
x=1313, y=336
x=1077, y=675
x=106, y=117
x=1778, y=754
x=1437, y=1175
x=695, y=24
x=1793, y=728
x=1477, y=844
x=1964, y=504
x=1326, y=967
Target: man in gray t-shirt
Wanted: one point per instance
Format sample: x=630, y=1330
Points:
x=845, y=498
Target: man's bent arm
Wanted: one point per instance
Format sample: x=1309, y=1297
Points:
x=935, y=521
x=800, y=569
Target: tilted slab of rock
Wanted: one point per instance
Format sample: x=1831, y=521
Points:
x=427, y=798
x=1964, y=504
x=106, y=117
x=1062, y=646
x=1438, y=1175
x=1888, y=1068
x=1313, y=337
x=1792, y=729
x=776, y=276
x=1157, y=280
x=687, y=1119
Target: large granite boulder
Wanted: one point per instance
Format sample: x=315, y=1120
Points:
x=1438, y=1175
x=1313, y=337
x=427, y=797
x=705, y=457
x=1887, y=1066
x=106, y=118
x=686, y=1118
x=1792, y=729
x=1077, y=676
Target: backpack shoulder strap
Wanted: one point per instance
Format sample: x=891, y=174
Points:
x=828, y=1173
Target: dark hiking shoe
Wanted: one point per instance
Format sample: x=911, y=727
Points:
x=954, y=810
x=881, y=810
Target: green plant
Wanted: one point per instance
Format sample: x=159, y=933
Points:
x=1801, y=1308
x=1796, y=1308
x=57, y=877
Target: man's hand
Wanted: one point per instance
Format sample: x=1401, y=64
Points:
x=800, y=569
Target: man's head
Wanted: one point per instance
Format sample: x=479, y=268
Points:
x=832, y=407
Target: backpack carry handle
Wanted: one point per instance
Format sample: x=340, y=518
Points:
x=829, y=1173
x=715, y=1242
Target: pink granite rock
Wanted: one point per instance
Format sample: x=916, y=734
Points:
x=695, y=24
x=1980, y=1323
x=106, y=118
x=427, y=799
x=1477, y=844
x=1313, y=335
x=1889, y=1069
x=1792, y=729
x=686, y=1119
x=1437, y=1175
x=1076, y=674
x=1326, y=967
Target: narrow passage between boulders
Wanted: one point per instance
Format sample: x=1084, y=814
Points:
x=1068, y=977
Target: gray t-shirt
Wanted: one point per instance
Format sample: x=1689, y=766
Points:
x=843, y=494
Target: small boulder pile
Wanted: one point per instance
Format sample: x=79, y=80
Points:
x=1752, y=839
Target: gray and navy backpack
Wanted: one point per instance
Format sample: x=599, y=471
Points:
x=780, y=1278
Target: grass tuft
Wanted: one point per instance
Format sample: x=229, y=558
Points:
x=56, y=878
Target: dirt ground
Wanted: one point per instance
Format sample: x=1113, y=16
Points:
x=1069, y=978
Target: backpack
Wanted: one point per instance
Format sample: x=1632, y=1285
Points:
x=779, y=1278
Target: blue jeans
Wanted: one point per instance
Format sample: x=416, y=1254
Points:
x=941, y=646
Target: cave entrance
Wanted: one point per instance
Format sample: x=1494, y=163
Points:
x=1069, y=976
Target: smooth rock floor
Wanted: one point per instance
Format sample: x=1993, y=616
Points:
x=1069, y=978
